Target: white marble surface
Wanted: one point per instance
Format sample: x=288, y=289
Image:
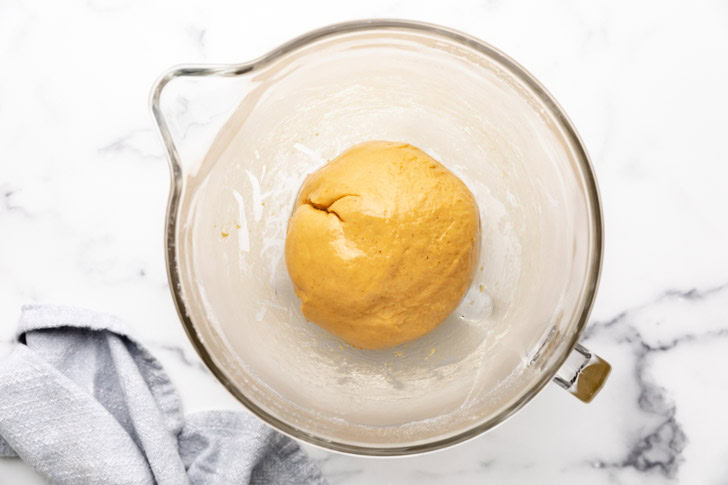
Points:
x=83, y=187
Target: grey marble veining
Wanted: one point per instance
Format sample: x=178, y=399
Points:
x=84, y=179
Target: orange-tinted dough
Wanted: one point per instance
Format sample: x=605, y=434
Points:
x=382, y=244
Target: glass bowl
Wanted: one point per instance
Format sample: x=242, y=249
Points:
x=242, y=137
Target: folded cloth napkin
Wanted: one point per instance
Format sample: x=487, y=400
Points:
x=84, y=403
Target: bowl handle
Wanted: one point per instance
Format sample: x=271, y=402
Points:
x=583, y=374
x=155, y=103
x=185, y=71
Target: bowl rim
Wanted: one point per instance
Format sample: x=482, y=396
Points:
x=173, y=206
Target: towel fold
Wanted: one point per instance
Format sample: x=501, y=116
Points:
x=82, y=402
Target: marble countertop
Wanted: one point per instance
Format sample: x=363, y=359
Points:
x=83, y=189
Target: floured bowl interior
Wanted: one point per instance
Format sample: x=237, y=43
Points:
x=471, y=109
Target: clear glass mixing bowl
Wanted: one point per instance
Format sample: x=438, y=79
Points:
x=242, y=137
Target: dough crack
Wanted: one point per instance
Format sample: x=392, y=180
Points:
x=327, y=207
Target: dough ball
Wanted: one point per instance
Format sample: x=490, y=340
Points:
x=382, y=244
